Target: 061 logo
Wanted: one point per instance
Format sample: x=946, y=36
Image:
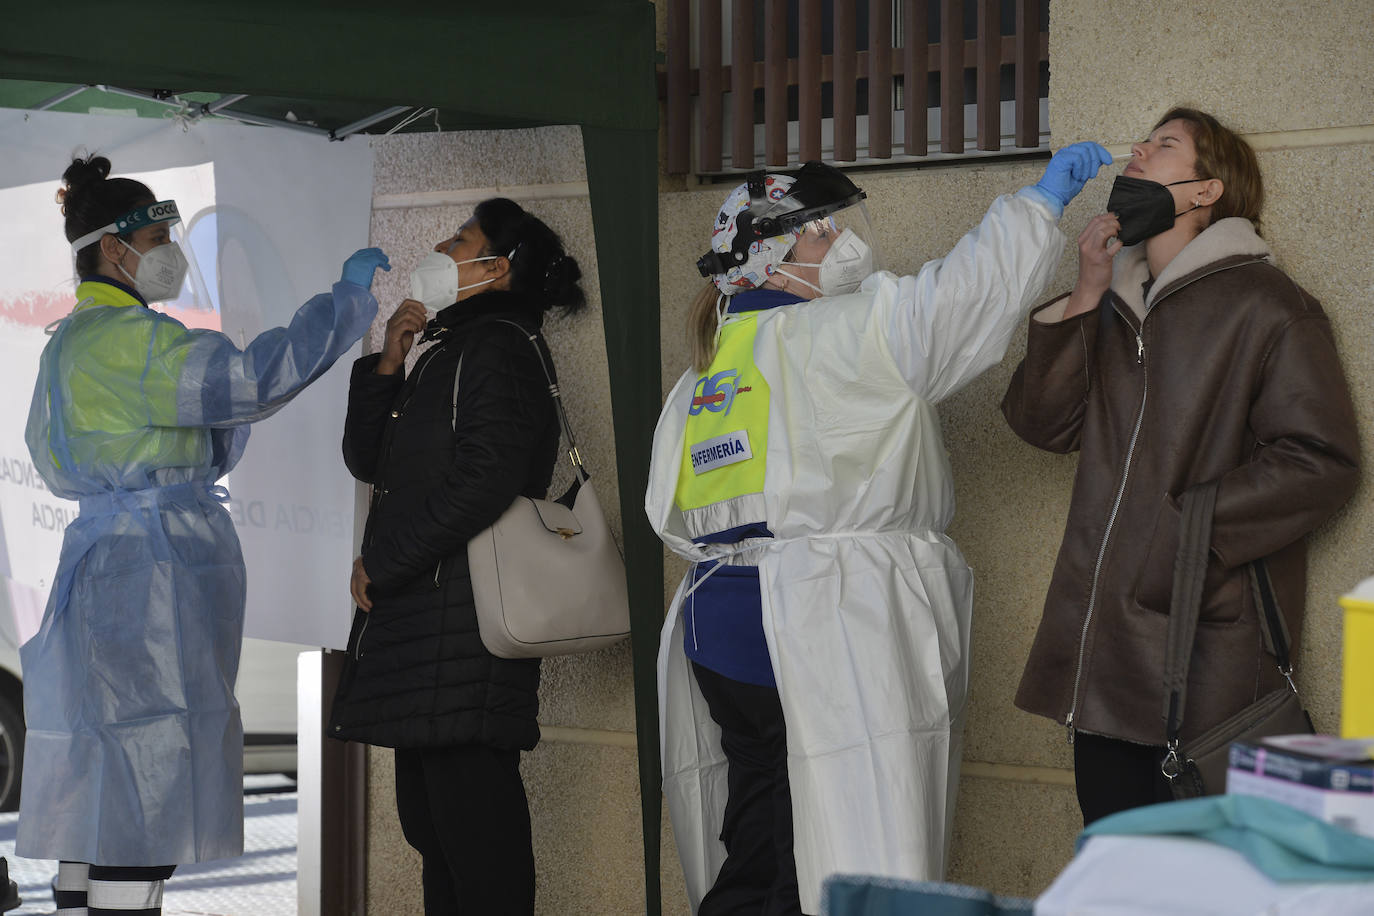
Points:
x=716, y=393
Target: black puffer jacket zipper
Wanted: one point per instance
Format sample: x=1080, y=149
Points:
x=379, y=489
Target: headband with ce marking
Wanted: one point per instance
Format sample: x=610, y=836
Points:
x=164, y=211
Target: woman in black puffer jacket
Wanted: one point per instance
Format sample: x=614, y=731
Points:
x=447, y=448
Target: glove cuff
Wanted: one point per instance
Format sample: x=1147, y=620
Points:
x=1048, y=198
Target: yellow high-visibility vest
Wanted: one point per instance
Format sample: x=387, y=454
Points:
x=120, y=368
x=726, y=443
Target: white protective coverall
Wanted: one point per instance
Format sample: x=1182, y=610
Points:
x=866, y=601
x=134, y=754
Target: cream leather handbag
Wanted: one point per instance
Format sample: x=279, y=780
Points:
x=547, y=577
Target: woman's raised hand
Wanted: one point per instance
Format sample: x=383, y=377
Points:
x=407, y=321
x=1097, y=246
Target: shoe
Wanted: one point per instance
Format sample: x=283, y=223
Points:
x=10, y=899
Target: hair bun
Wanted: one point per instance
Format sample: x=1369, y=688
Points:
x=87, y=171
x=562, y=273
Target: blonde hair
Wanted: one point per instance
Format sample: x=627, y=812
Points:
x=702, y=321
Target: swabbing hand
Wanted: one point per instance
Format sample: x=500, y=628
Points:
x=1070, y=169
x=362, y=264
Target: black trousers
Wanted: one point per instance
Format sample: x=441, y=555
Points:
x=464, y=810
x=759, y=877
x=1113, y=775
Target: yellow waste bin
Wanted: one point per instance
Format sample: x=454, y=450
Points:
x=1357, y=688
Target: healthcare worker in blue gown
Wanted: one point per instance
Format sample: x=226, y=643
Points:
x=813, y=671
x=134, y=753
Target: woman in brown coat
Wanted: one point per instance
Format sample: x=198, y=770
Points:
x=1182, y=355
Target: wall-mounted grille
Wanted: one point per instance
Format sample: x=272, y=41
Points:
x=852, y=80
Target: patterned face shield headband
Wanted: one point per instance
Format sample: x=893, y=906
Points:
x=732, y=265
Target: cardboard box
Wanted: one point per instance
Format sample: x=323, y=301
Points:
x=1322, y=775
x=1357, y=682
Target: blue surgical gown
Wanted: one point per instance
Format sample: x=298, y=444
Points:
x=134, y=753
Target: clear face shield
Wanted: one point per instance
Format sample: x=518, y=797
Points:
x=834, y=253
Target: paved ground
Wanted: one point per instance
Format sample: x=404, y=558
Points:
x=262, y=882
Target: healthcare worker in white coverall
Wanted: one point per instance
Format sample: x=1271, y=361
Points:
x=813, y=669
x=134, y=756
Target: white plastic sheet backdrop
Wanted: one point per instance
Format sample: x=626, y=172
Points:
x=268, y=217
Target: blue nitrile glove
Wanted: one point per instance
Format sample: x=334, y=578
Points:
x=361, y=264
x=1071, y=168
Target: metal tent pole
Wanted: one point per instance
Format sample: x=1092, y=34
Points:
x=367, y=122
x=60, y=98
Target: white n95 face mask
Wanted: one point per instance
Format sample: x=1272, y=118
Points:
x=160, y=272
x=434, y=284
x=845, y=265
x=843, y=268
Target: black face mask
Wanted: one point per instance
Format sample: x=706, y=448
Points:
x=1144, y=208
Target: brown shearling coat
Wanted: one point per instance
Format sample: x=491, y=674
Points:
x=1224, y=369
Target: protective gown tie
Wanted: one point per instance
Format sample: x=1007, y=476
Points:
x=114, y=502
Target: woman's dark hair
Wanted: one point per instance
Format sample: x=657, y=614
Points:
x=540, y=268
x=92, y=199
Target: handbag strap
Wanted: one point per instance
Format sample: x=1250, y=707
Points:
x=533, y=337
x=1272, y=625
x=1190, y=571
